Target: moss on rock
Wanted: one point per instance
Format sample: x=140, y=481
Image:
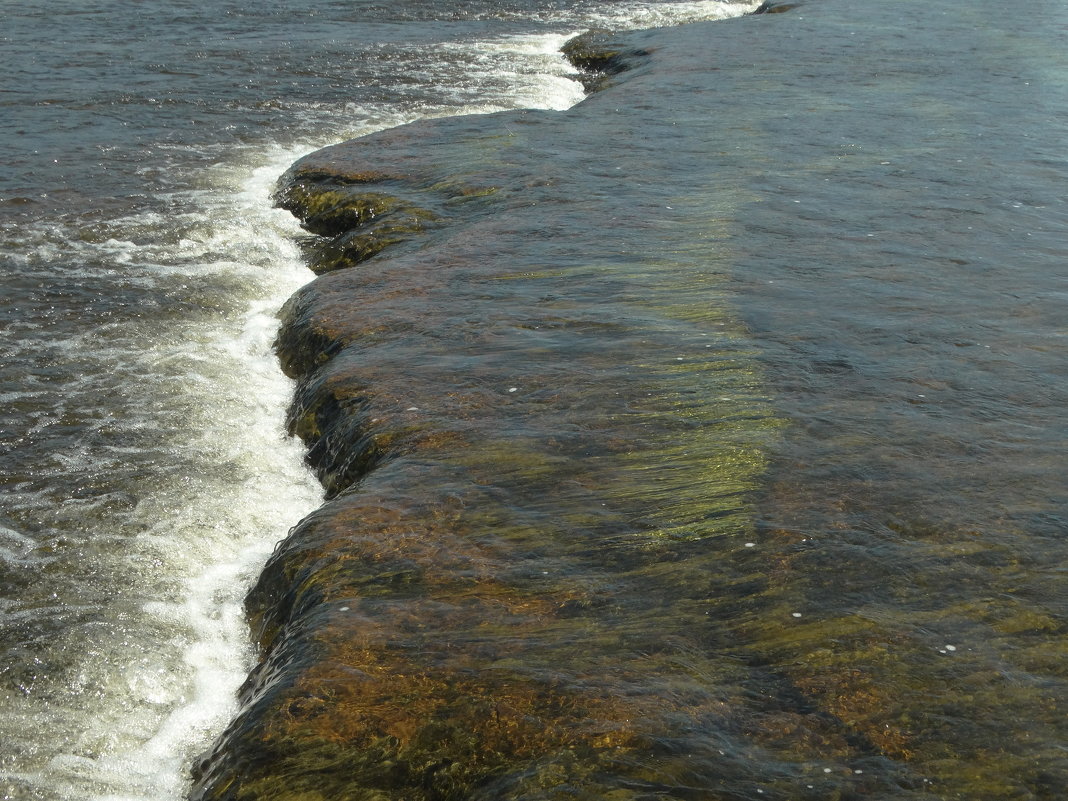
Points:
x=600, y=54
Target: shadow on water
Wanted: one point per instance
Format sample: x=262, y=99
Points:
x=683, y=445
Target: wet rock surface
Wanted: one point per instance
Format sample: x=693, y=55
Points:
x=597, y=527
x=775, y=7
x=601, y=54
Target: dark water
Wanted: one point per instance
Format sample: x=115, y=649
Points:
x=145, y=476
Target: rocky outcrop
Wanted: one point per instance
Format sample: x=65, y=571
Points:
x=775, y=7
x=572, y=548
x=511, y=456
x=601, y=54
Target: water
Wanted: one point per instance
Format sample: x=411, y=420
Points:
x=145, y=475
x=718, y=452
x=703, y=442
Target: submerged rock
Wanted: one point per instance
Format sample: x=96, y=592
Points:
x=590, y=535
x=600, y=54
x=775, y=7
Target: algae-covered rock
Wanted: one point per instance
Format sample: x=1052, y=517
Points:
x=775, y=7
x=506, y=592
x=590, y=533
x=359, y=211
x=355, y=224
x=600, y=54
x=329, y=208
x=353, y=247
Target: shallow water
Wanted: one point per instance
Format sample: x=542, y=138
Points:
x=705, y=445
x=715, y=450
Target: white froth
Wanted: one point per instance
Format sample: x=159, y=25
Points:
x=216, y=537
x=521, y=71
x=637, y=15
x=158, y=677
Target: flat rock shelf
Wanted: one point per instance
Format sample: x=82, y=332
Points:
x=626, y=497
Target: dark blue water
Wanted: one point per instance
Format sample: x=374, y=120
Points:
x=144, y=474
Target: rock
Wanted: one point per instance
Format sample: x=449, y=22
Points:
x=571, y=549
x=600, y=54
x=775, y=7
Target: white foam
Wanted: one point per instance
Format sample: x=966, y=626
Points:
x=637, y=15
x=520, y=71
x=217, y=542
x=159, y=671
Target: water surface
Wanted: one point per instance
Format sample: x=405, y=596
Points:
x=702, y=444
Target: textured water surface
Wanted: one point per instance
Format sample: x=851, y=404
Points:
x=703, y=441
x=698, y=442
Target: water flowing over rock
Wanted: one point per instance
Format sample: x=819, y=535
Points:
x=581, y=539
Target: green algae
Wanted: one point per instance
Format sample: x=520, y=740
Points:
x=932, y=703
x=355, y=224
x=601, y=54
x=355, y=247
x=503, y=596
x=361, y=214
x=334, y=209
